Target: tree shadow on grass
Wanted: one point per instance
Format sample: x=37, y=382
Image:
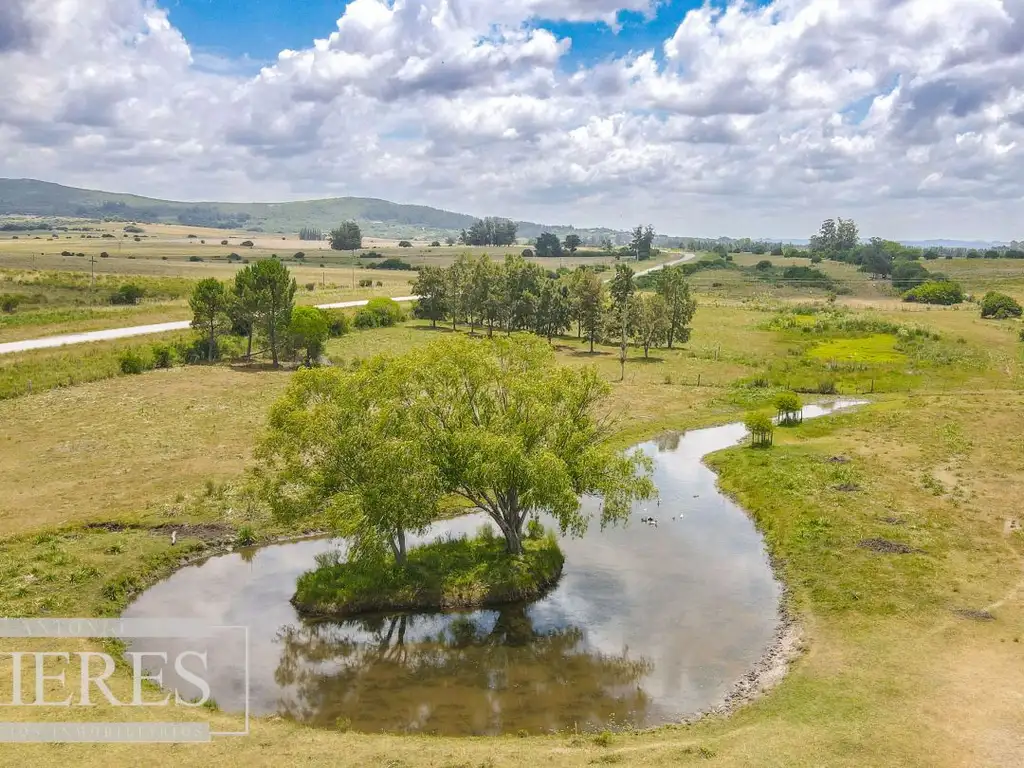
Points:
x=646, y=360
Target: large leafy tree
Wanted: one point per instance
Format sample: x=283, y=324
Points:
x=347, y=237
x=649, y=321
x=497, y=423
x=432, y=288
x=554, y=310
x=623, y=286
x=209, y=303
x=342, y=447
x=679, y=303
x=275, y=298
x=308, y=330
x=244, y=305
x=548, y=245
x=591, y=304
x=572, y=242
x=517, y=435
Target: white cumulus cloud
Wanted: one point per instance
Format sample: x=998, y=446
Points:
x=746, y=119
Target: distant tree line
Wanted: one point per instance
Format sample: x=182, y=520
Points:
x=311, y=233
x=490, y=231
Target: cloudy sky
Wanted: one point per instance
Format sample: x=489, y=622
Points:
x=736, y=118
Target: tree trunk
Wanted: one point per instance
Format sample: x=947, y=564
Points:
x=671, y=335
x=273, y=339
x=514, y=542
x=400, y=552
x=647, y=349
x=213, y=339
x=248, y=346
x=591, y=342
x=433, y=322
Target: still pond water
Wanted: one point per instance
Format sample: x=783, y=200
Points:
x=648, y=624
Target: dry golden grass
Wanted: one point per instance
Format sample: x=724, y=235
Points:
x=891, y=675
x=113, y=447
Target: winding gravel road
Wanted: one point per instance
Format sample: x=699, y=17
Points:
x=48, y=342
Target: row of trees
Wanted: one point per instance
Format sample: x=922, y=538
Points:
x=519, y=295
x=490, y=231
x=311, y=233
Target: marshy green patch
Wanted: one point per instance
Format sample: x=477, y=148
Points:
x=443, y=575
x=876, y=348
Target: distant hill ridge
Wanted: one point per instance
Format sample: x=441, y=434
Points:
x=377, y=218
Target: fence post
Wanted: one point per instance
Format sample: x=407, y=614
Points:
x=698, y=379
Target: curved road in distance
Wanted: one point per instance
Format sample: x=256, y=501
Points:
x=108, y=334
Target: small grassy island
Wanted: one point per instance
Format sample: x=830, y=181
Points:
x=381, y=451
x=446, y=575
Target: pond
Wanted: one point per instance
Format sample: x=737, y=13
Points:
x=647, y=625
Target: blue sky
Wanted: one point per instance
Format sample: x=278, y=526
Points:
x=256, y=30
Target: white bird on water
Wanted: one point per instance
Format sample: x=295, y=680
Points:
x=174, y=538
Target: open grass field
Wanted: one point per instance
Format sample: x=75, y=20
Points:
x=70, y=293
x=913, y=648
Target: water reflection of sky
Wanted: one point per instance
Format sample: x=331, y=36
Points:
x=693, y=598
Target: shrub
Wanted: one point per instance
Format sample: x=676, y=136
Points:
x=405, y=244
x=128, y=294
x=247, y=243
x=907, y=275
x=134, y=361
x=435, y=244
x=138, y=239
x=999, y=306
x=104, y=255
x=195, y=258
x=527, y=253
x=391, y=264
x=9, y=302
x=223, y=242
x=66, y=253
x=132, y=229
x=815, y=259
x=945, y=293
x=193, y=237
x=366, y=283
x=379, y=313
x=164, y=355
x=300, y=255
x=764, y=264
x=338, y=324
x=310, y=286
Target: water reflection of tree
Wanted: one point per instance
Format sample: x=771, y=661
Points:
x=669, y=441
x=470, y=678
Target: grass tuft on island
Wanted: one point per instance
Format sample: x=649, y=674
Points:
x=450, y=574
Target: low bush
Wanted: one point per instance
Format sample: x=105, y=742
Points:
x=338, y=323
x=164, y=355
x=9, y=302
x=379, y=313
x=135, y=361
x=999, y=306
x=943, y=293
x=391, y=264
x=404, y=244
x=247, y=243
x=195, y=258
x=127, y=294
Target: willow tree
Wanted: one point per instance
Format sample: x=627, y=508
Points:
x=494, y=422
x=517, y=435
x=342, y=450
